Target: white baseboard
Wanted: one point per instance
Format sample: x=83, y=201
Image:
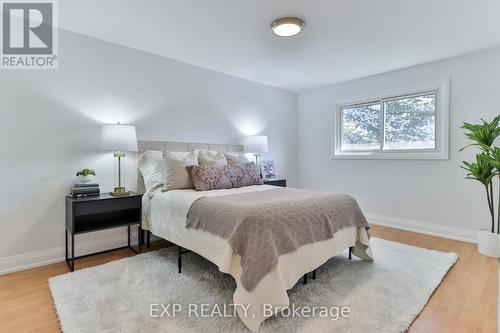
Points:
x=49, y=256
x=464, y=235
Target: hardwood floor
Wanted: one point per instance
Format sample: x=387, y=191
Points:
x=466, y=300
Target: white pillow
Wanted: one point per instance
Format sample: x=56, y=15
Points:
x=211, y=158
x=175, y=175
x=151, y=167
x=236, y=158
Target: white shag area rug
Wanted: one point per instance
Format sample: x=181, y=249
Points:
x=383, y=296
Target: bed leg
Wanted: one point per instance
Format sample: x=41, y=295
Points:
x=350, y=253
x=179, y=260
x=305, y=278
x=148, y=238
x=314, y=275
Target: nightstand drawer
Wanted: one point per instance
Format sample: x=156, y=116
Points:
x=104, y=206
x=276, y=182
x=106, y=220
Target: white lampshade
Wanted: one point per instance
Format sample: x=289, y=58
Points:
x=256, y=144
x=119, y=138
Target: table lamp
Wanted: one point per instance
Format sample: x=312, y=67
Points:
x=119, y=139
x=256, y=144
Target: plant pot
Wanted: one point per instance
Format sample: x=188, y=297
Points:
x=85, y=179
x=488, y=243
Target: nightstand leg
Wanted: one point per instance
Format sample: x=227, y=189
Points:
x=128, y=235
x=129, y=243
x=66, y=243
x=314, y=275
x=70, y=262
x=148, y=238
x=72, y=251
x=350, y=253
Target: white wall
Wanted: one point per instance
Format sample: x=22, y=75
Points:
x=404, y=193
x=50, y=128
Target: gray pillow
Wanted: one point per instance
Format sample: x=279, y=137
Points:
x=211, y=158
x=236, y=158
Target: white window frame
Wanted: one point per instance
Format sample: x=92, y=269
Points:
x=441, y=150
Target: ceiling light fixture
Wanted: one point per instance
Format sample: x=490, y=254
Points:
x=287, y=26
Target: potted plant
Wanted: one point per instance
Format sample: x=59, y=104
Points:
x=85, y=175
x=485, y=169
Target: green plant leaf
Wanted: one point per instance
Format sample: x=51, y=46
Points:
x=86, y=172
x=481, y=170
x=482, y=135
x=492, y=156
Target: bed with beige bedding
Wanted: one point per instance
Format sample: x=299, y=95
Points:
x=264, y=263
x=265, y=237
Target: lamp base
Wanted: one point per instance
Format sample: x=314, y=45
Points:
x=119, y=191
x=257, y=157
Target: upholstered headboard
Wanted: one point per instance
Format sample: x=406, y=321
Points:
x=180, y=146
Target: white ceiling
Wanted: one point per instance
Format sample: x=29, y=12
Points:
x=342, y=40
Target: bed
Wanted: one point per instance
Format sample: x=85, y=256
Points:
x=183, y=217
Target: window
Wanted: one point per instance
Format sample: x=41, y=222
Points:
x=361, y=127
x=410, y=124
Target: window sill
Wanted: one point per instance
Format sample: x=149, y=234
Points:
x=395, y=155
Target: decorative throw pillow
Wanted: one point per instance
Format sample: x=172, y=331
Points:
x=236, y=158
x=207, y=178
x=245, y=175
x=211, y=158
x=151, y=167
x=175, y=174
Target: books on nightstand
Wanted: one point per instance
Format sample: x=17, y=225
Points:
x=84, y=190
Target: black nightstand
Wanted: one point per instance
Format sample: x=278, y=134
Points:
x=101, y=212
x=275, y=182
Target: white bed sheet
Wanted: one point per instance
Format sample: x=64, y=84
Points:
x=165, y=214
